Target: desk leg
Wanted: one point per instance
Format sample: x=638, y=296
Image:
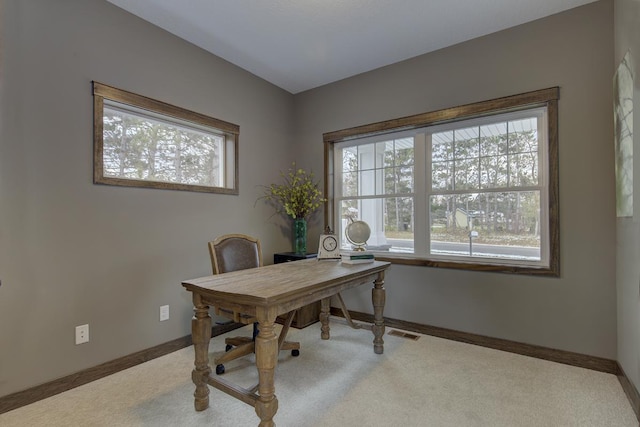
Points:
x=325, y=309
x=378, y=297
x=201, y=335
x=266, y=359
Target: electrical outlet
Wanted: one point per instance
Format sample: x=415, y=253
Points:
x=164, y=313
x=82, y=334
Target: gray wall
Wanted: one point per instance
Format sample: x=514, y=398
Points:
x=627, y=38
x=573, y=50
x=72, y=252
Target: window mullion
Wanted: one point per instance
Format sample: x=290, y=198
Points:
x=422, y=179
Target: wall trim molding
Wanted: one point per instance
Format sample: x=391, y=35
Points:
x=630, y=390
x=560, y=356
x=51, y=388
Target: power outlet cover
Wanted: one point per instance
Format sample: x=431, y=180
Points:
x=82, y=334
x=164, y=313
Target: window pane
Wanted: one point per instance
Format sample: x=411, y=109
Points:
x=523, y=169
x=350, y=184
x=493, y=139
x=399, y=214
x=349, y=211
x=488, y=225
x=523, y=152
x=399, y=180
x=466, y=143
x=404, y=152
x=442, y=146
x=493, y=172
x=449, y=225
x=350, y=159
x=367, y=182
x=398, y=224
x=388, y=156
x=137, y=147
x=523, y=135
x=390, y=220
x=466, y=174
x=442, y=175
x=369, y=210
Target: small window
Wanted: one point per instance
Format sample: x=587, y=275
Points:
x=141, y=142
x=471, y=187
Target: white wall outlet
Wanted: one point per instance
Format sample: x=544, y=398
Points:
x=164, y=313
x=82, y=334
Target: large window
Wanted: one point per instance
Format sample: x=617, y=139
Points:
x=469, y=187
x=142, y=142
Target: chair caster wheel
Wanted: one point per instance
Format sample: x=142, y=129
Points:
x=228, y=347
x=219, y=369
x=295, y=353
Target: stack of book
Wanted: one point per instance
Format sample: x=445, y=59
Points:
x=356, y=257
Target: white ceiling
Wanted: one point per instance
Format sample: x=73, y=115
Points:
x=302, y=44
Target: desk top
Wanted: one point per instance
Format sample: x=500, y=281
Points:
x=280, y=283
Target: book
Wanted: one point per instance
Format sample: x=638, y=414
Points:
x=357, y=261
x=357, y=257
x=354, y=257
x=357, y=254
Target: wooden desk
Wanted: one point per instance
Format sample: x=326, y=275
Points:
x=267, y=292
x=309, y=314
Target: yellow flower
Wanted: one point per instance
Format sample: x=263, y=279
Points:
x=299, y=195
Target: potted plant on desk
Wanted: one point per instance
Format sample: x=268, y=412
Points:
x=298, y=197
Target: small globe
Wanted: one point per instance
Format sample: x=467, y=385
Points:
x=357, y=233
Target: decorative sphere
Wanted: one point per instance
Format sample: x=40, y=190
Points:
x=357, y=233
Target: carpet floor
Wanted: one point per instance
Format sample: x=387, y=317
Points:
x=341, y=382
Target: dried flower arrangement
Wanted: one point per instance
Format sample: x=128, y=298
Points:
x=298, y=196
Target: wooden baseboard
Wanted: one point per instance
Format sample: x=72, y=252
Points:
x=630, y=390
x=559, y=356
x=31, y=395
x=566, y=357
x=51, y=388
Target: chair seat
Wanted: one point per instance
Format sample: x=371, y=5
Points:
x=234, y=252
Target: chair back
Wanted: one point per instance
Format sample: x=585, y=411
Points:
x=233, y=252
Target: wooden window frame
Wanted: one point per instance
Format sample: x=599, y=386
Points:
x=544, y=97
x=173, y=114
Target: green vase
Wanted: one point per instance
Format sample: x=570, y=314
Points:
x=300, y=236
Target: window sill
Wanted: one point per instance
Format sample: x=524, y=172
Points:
x=495, y=268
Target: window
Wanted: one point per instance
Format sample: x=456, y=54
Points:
x=141, y=142
x=471, y=187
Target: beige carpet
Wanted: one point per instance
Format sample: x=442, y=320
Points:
x=341, y=382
